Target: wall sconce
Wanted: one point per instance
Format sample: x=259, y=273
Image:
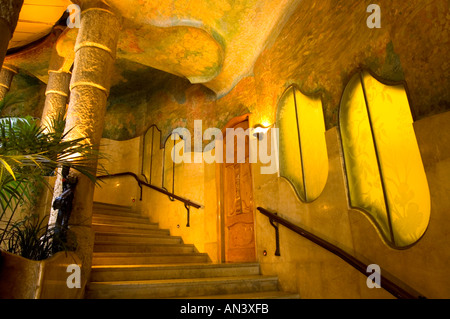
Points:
x=259, y=131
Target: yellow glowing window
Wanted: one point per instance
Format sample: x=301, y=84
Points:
x=302, y=145
x=385, y=174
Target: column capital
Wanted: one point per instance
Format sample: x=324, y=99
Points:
x=10, y=68
x=63, y=53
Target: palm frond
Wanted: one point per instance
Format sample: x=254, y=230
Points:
x=29, y=151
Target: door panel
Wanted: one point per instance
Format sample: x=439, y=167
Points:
x=239, y=226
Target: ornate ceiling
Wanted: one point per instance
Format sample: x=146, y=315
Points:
x=213, y=42
x=36, y=20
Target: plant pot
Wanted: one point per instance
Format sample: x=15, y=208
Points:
x=22, y=278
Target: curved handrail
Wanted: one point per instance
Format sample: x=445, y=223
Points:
x=140, y=182
x=386, y=284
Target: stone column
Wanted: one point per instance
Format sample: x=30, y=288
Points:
x=9, y=15
x=6, y=75
x=57, y=91
x=56, y=95
x=59, y=74
x=95, y=52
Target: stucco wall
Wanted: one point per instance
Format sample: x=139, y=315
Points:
x=320, y=47
x=314, y=272
x=303, y=266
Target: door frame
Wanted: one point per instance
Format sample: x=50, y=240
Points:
x=220, y=193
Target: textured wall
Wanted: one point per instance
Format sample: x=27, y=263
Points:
x=26, y=97
x=321, y=46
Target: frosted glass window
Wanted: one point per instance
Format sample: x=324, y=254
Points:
x=302, y=144
x=385, y=174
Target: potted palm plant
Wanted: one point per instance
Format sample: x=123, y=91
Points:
x=29, y=153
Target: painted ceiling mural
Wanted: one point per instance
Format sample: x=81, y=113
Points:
x=215, y=59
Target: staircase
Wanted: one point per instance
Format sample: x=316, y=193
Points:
x=133, y=258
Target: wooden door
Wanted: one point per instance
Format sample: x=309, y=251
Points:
x=238, y=228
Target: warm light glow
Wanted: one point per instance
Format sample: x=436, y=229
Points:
x=265, y=122
x=384, y=168
x=259, y=131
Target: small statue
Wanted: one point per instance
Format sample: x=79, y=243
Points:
x=63, y=204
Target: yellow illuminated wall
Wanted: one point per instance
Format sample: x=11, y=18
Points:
x=303, y=150
x=158, y=168
x=385, y=174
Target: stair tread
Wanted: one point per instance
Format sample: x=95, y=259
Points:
x=143, y=254
x=275, y=294
x=127, y=224
x=178, y=281
x=173, y=266
x=138, y=233
x=116, y=212
x=128, y=263
x=134, y=234
x=101, y=205
x=118, y=217
x=115, y=243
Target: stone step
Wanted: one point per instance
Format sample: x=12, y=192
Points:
x=114, y=210
x=118, y=213
x=276, y=294
x=136, y=228
x=111, y=206
x=114, y=207
x=108, y=218
x=113, y=258
x=105, y=246
x=173, y=288
x=174, y=271
x=133, y=258
x=127, y=224
x=149, y=238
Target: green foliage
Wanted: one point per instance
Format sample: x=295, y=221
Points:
x=30, y=151
x=32, y=238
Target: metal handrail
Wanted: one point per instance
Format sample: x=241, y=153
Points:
x=187, y=203
x=386, y=283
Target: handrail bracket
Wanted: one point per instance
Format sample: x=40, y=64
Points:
x=277, y=236
x=188, y=212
